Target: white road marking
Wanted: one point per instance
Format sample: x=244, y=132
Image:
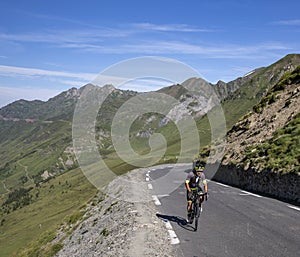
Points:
x=160, y=196
x=150, y=186
x=168, y=225
x=147, y=179
x=155, y=199
x=248, y=193
x=173, y=237
x=221, y=184
x=293, y=207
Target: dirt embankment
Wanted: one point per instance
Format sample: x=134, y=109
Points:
x=114, y=227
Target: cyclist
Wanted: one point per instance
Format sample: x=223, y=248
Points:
x=192, y=182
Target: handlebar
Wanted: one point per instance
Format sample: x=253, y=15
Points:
x=200, y=193
x=203, y=194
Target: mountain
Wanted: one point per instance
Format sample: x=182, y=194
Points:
x=32, y=130
x=59, y=107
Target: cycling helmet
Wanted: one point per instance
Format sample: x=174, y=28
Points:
x=198, y=166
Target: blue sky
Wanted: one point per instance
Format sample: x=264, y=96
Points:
x=47, y=47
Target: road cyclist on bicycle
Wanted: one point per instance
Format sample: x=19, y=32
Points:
x=193, y=182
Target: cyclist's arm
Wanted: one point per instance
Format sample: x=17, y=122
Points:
x=187, y=185
x=205, y=186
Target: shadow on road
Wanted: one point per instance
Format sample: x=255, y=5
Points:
x=175, y=219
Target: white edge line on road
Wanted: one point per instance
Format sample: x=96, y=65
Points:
x=150, y=186
x=160, y=196
x=221, y=184
x=173, y=237
x=155, y=199
x=168, y=225
x=248, y=193
x=293, y=207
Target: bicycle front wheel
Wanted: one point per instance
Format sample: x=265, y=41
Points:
x=197, y=214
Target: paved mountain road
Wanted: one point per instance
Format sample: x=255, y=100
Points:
x=233, y=222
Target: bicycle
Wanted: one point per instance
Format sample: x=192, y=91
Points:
x=196, y=206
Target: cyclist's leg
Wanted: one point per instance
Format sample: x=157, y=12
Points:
x=201, y=199
x=201, y=196
x=189, y=206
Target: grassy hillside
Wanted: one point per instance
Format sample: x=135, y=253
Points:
x=30, y=149
x=51, y=202
x=281, y=152
x=250, y=94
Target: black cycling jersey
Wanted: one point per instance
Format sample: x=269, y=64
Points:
x=193, y=180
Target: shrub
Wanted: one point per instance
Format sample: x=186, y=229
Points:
x=104, y=232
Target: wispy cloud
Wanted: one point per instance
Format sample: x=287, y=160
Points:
x=295, y=22
x=89, y=36
x=132, y=40
x=14, y=71
x=144, y=85
x=177, y=47
x=66, y=36
x=169, y=27
x=73, y=83
x=16, y=90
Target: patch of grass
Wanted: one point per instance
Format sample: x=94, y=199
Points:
x=41, y=247
x=74, y=217
x=281, y=153
x=105, y=232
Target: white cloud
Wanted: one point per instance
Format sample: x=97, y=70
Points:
x=176, y=47
x=94, y=35
x=66, y=36
x=146, y=84
x=13, y=71
x=169, y=27
x=131, y=40
x=295, y=22
x=74, y=83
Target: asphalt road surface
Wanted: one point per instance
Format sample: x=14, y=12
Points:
x=233, y=222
